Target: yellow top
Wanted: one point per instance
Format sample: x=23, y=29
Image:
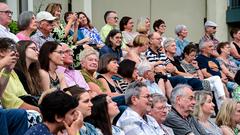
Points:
x=13, y=90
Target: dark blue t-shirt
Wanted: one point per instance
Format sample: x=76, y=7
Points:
x=106, y=49
x=211, y=64
x=39, y=129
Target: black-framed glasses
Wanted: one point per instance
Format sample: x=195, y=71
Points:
x=7, y=12
x=116, y=18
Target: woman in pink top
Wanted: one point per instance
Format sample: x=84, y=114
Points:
x=27, y=24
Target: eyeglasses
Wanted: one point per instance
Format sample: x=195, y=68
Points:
x=146, y=96
x=116, y=18
x=34, y=49
x=161, y=108
x=59, y=52
x=68, y=51
x=163, y=25
x=8, y=12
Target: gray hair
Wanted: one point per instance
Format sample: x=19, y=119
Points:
x=25, y=19
x=179, y=28
x=202, y=44
x=133, y=89
x=86, y=52
x=167, y=42
x=178, y=91
x=143, y=67
x=156, y=97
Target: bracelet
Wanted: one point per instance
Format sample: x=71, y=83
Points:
x=197, y=68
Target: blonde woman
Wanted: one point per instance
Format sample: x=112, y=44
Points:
x=204, y=107
x=143, y=25
x=140, y=45
x=229, y=117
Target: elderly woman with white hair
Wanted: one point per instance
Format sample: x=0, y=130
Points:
x=161, y=85
x=89, y=61
x=181, y=41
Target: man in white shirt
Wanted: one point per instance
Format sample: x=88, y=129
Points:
x=5, y=20
x=134, y=120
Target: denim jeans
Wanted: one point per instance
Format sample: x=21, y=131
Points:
x=13, y=121
x=195, y=83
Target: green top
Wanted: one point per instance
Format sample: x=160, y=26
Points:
x=90, y=78
x=104, y=31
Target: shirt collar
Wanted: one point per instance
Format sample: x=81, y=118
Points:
x=4, y=28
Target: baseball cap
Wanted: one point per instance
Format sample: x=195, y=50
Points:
x=44, y=15
x=210, y=23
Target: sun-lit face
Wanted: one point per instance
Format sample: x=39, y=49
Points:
x=33, y=23
x=208, y=106
x=32, y=53
x=159, y=111
x=187, y=102
x=68, y=53
x=85, y=104
x=116, y=40
x=236, y=114
x=184, y=33
x=90, y=63
x=112, y=66
x=57, y=56
x=46, y=26
x=83, y=19
x=5, y=14
x=130, y=25
x=112, y=108
x=143, y=101
x=112, y=19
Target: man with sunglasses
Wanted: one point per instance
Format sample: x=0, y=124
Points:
x=111, y=20
x=5, y=20
x=45, y=27
x=210, y=30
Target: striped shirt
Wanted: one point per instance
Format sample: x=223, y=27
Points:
x=159, y=56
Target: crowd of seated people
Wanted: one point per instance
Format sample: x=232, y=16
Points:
x=68, y=78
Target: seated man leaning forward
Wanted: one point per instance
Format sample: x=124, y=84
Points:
x=134, y=120
x=180, y=118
